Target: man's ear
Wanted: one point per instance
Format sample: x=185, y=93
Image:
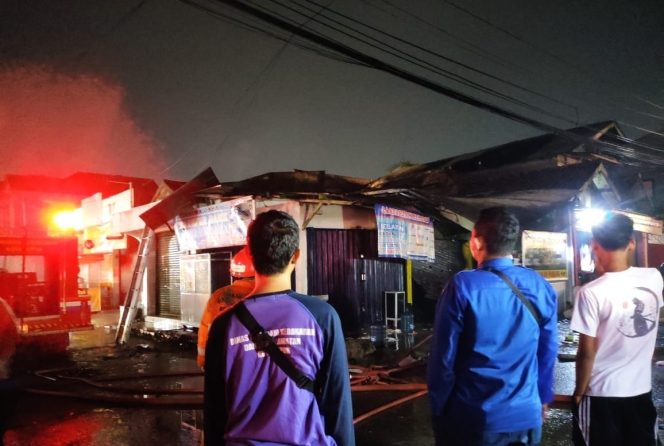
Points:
x=594, y=246
x=296, y=256
x=477, y=242
x=631, y=246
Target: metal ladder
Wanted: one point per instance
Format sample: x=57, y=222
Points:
x=132, y=299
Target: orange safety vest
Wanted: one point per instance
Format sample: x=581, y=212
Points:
x=220, y=301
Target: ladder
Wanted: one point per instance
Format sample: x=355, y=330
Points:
x=132, y=299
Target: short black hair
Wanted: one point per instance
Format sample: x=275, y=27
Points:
x=273, y=238
x=614, y=231
x=499, y=228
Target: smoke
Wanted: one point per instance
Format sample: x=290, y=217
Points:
x=57, y=124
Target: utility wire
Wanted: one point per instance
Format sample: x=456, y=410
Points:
x=270, y=64
x=420, y=63
x=510, y=34
x=349, y=60
x=433, y=53
x=124, y=18
x=388, y=68
x=287, y=40
x=254, y=28
x=462, y=43
x=650, y=103
x=456, y=77
x=551, y=55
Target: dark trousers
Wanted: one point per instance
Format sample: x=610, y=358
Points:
x=615, y=421
x=455, y=435
x=8, y=397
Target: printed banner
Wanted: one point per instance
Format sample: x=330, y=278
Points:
x=545, y=252
x=216, y=226
x=404, y=234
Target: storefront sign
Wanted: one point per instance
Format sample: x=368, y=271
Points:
x=545, y=252
x=99, y=239
x=216, y=226
x=404, y=234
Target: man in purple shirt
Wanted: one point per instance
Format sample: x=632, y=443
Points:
x=249, y=398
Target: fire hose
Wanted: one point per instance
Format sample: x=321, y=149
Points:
x=364, y=380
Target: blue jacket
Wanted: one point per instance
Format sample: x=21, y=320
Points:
x=491, y=365
x=249, y=400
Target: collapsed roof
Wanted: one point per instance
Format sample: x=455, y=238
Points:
x=532, y=176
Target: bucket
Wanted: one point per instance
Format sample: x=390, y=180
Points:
x=407, y=323
x=377, y=334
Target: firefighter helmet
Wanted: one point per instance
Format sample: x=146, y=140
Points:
x=241, y=265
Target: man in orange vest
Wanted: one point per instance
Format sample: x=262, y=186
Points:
x=242, y=271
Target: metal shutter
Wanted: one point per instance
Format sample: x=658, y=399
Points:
x=168, y=275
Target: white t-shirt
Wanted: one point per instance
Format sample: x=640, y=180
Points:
x=621, y=310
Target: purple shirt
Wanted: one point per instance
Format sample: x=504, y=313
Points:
x=260, y=404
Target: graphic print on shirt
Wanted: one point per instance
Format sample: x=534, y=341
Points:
x=285, y=338
x=639, y=313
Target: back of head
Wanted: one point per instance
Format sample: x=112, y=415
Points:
x=272, y=238
x=500, y=230
x=614, y=232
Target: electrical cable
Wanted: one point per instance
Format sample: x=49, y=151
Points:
x=388, y=68
x=118, y=23
x=487, y=55
x=463, y=81
x=433, y=53
x=336, y=48
x=244, y=25
x=650, y=103
x=474, y=49
x=556, y=57
x=247, y=26
x=423, y=64
x=507, y=32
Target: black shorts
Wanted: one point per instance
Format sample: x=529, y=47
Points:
x=615, y=421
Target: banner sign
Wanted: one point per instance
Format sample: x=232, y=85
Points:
x=545, y=252
x=99, y=239
x=404, y=234
x=216, y=226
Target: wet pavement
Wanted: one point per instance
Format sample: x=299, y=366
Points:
x=132, y=414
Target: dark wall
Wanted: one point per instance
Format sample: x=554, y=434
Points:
x=344, y=264
x=430, y=278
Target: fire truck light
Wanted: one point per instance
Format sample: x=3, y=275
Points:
x=68, y=220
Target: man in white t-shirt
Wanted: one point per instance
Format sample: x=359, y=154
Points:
x=616, y=316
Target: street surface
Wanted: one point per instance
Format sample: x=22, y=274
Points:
x=42, y=420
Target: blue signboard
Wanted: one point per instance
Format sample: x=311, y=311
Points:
x=404, y=234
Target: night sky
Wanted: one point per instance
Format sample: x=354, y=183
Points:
x=164, y=89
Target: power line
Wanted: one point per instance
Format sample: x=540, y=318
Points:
x=464, y=44
x=369, y=61
x=388, y=68
x=247, y=26
x=261, y=75
x=650, y=103
x=124, y=18
x=447, y=74
x=421, y=63
x=508, y=33
x=334, y=55
x=436, y=54
x=553, y=56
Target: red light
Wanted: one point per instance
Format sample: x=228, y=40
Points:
x=68, y=220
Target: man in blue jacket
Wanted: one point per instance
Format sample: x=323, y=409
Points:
x=249, y=398
x=493, y=352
